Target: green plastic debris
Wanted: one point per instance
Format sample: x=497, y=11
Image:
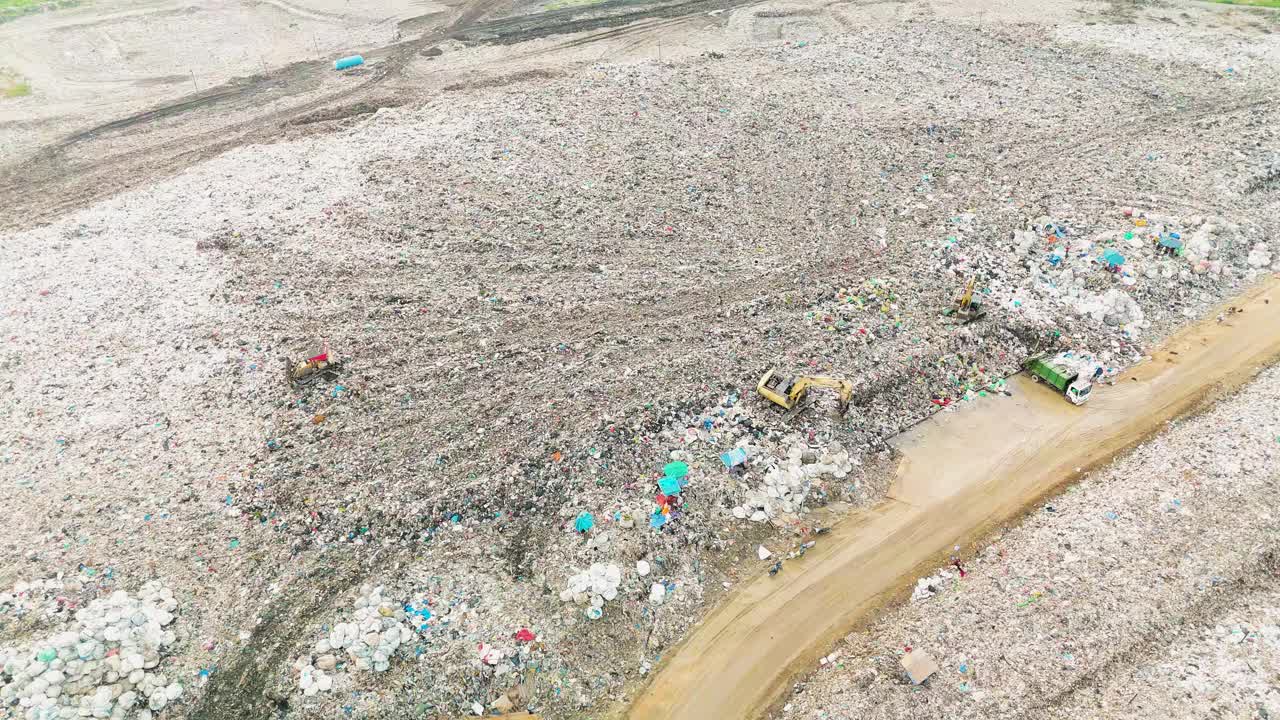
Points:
x=676, y=470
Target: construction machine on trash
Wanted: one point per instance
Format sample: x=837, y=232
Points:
x=792, y=392
x=966, y=309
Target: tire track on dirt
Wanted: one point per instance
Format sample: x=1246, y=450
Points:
x=52, y=181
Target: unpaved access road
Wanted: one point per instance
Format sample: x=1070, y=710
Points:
x=961, y=473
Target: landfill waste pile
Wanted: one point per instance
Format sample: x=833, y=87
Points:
x=595, y=586
x=370, y=640
x=1233, y=661
x=927, y=587
x=36, y=601
x=787, y=484
x=478, y=375
x=1101, y=600
x=108, y=665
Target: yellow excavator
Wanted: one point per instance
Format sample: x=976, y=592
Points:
x=792, y=392
x=966, y=309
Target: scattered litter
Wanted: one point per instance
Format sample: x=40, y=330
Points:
x=929, y=586
x=657, y=593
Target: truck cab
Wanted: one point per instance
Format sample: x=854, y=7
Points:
x=1078, y=391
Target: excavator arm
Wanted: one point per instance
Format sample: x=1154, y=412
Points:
x=967, y=298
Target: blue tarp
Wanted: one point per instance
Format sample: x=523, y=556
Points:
x=736, y=456
x=676, y=470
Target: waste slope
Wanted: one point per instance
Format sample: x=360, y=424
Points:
x=961, y=473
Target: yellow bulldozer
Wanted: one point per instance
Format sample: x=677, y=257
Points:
x=792, y=392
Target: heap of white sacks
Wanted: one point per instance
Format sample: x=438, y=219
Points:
x=787, y=484
x=107, y=667
x=595, y=587
x=376, y=630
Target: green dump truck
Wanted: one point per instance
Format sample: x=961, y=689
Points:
x=1063, y=372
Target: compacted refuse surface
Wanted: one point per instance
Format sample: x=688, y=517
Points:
x=451, y=410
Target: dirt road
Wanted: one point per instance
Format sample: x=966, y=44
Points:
x=962, y=473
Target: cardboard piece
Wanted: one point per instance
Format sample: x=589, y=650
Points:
x=919, y=666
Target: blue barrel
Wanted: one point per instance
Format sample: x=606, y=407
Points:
x=348, y=62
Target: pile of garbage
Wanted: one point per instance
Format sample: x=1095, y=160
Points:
x=43, y=596
x=789, y=480
x=927, y=587
x=108, y=666
x=1149, y=250
x=1260, y=256
x=593, y=588
x=378, y=628
x=508, y=382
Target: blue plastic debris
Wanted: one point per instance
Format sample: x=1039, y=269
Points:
x=1112, y=258
x=337, y=389
x=657, y=520
x=669, y=486
x=423, y=613
x=734, y=457
x=584, y=522
x=348, y=62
